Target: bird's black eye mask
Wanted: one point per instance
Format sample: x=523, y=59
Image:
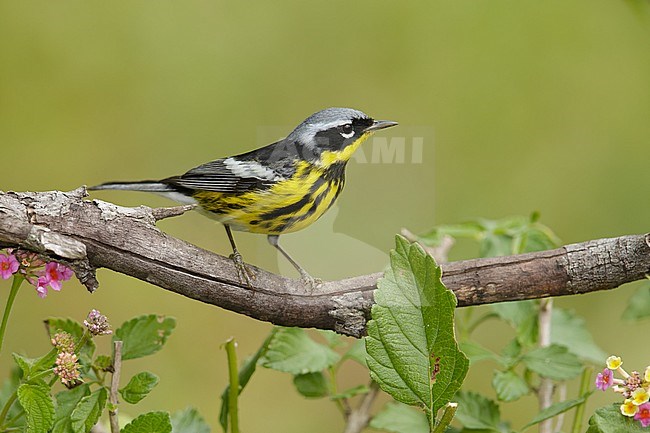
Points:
x=339, y=137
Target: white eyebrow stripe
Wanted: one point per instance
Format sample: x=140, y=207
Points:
x=327, y=125
x=309, y=130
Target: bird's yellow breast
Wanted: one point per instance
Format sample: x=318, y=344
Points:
x=287, y=206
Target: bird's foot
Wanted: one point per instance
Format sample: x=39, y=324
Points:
x=245, y=274
x=309, y=281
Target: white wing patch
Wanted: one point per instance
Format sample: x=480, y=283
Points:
x=251, y=169
x=178, y=197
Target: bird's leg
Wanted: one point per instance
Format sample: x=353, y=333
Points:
x=312, y=282
x=245, y=274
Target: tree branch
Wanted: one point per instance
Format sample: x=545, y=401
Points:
x=88, y=235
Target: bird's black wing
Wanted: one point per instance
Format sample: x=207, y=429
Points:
x=255, y=170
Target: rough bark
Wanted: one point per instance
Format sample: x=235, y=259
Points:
x=92, y=234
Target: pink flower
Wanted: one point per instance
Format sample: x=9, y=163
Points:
x=41, y=287
x=97, y=323
x=8, y=265
x=643, y=415
x=67, y=368
x=55, y=275
x=605, y=379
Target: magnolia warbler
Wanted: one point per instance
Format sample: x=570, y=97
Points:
x=279, y=188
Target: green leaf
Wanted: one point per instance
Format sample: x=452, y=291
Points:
x=312, y=385
x=87, y=412
x=33, y=366
x=511, y=351
x=610, y=420
x=66, y=401
x=150, y=422
x=477, y=412
x=400, y=418
x=495, y=245
x=189, y=421
x=514, y=235
x=412, y=352
x=144, y=335
x=76, y=329
x=139, y=386
x=568, y=330
x=470, y=229
x=351, y=392
x=333, y=339
x=515, y=313
x=522, y=316
x=510, y=235
x=475, y=352
x=45, y=362
x=39, y=407
x=357, y=352
x=555, y=410
x=536, y=237
x=103, y=362
x=509, y=386
x=24, y=363
x=245, y=372
x=9, y=386
x=554, y=362
x=638, y=306
x=292, y=351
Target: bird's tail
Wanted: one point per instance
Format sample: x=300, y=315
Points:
x=144, y=185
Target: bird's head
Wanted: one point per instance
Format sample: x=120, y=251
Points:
x=332, y=135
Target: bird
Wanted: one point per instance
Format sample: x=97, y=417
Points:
x=276, y=189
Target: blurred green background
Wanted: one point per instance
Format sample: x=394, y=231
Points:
x=521, y=106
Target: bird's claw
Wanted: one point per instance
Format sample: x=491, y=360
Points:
x=245, y=275
x=311, y=282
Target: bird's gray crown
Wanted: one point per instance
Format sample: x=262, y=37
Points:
x=323, y=120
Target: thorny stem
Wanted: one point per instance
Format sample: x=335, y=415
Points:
x=115, y=383
x=15, y=285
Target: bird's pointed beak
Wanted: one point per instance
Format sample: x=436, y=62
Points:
x=380, y=124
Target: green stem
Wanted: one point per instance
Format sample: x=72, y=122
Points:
x=5, y=409
x=233, y=392
x=82, y=341
x=341, y=403
x=585, y=384
x=18, y=279
x=42, y=374
x=16, y=417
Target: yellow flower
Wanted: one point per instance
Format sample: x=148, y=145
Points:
x=640, y=396
x=614, y=362
x=646, y=376
x=628, y=408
